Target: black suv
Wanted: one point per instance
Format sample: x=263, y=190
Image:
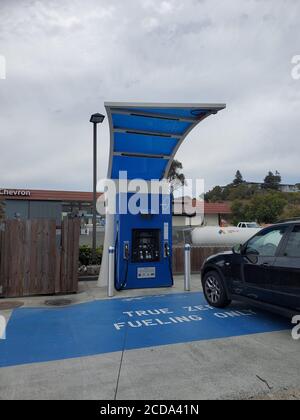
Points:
x=265, y=271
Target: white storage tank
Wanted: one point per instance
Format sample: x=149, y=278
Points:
x=216, y=235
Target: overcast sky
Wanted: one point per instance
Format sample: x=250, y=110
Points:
x=64, y=58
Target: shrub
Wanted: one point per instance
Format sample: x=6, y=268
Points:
x=85, y=255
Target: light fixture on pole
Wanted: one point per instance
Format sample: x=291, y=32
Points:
x=95, y=119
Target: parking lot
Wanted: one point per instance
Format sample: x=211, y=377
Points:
x=150, y=344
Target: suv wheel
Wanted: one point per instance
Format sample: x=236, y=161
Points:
x=214, y=290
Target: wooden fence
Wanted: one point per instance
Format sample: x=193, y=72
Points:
x=36, y=258
x=198, y=255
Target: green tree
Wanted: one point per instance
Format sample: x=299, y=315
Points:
x=272, y=181
x=239, y=211
x=230, y=192
x=266, y=208
x=238, y=179
x=241, y=192
x=214, y=195
x=263, y=208
x=176, y=177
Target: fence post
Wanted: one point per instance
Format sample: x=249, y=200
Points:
x=111, y=271
x=187, y=267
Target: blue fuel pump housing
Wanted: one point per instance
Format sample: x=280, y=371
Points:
x=143, y=243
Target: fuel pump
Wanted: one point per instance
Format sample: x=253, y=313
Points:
x=143, y=248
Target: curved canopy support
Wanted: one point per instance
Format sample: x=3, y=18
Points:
x=144, y=137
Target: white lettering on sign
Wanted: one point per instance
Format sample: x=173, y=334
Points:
x=15, y=193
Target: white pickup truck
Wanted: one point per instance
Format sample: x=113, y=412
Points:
x=248, y=225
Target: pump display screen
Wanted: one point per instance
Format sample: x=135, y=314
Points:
x=145, y=245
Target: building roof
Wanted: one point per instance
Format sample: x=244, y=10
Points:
x=217, y=208
x=192, y=207
x=46, y=195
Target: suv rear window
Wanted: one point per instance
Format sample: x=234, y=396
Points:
x=292, y=248
x=265, y=243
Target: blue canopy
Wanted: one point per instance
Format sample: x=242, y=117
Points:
x=144, y=138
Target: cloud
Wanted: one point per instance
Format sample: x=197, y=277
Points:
x=65, y=58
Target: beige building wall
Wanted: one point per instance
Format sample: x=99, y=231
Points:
x=211, y=220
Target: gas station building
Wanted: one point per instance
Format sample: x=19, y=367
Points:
x=35, y=204
x=31, y=204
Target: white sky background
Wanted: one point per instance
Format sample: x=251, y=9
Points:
x=66, y=57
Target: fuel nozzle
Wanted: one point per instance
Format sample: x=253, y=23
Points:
x=126, y=250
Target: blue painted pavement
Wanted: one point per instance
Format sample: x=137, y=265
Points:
x=46, y=334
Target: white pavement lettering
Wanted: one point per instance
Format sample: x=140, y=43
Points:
x=148, y=312
x=156, y=321
x=198, y=308
x=153, y=322
x=233, y=314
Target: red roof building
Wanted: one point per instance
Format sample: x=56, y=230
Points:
x=192, y=212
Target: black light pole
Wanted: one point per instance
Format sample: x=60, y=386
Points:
x=95, y=119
